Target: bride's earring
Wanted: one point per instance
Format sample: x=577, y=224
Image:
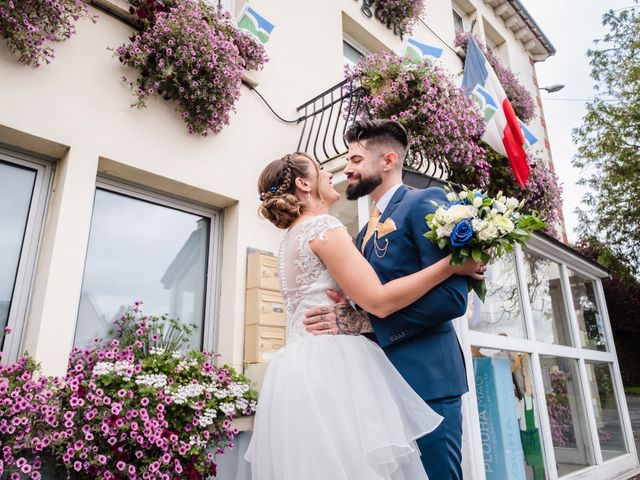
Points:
x=309, y=197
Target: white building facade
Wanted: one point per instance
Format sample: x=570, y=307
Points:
x=103, y=204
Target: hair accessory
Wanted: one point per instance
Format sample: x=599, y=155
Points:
x=273, y=189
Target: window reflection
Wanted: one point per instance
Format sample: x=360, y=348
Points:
x=501, y=312
x=605, y=409
x=587, y=312
x=567, y=418
x=141, y=250
x=548, y=308
x=509, y=426
x=16, y=189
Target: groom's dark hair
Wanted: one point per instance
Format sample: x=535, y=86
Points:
x=379, y=132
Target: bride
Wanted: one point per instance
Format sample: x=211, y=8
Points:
x=334, y=407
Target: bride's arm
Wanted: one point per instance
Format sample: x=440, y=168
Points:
x=360, y=282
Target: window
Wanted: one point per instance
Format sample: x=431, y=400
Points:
x=501, y=312
x=550, y=319
x=229, y=5
x=352, y=51
x=509, y=421
x=567, y=416
x=458, y=24
x=587, y=312
x=24, y=188
x=152, y=248
x=605, y=409
x=540, y=341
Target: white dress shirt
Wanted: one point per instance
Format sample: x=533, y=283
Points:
x=386, y=198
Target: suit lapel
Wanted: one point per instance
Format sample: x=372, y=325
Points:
x=360, y=237
x=393, y=204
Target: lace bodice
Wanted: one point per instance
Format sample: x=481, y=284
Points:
x=303, y=277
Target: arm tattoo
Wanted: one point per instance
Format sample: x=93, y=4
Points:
x=350, y=321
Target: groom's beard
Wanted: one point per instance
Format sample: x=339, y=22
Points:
x=363, y=187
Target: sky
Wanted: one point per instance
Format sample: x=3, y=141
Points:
x=571, y=26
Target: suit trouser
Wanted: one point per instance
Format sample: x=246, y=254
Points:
x=442, y=449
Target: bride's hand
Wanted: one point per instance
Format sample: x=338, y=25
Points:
x=471, y=268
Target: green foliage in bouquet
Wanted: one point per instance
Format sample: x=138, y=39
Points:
x=476, y=226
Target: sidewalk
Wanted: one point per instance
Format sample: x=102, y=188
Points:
x=633, y=401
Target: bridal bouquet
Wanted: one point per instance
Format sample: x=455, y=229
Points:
x=471, y=224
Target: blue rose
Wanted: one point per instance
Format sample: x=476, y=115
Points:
x=462, y=233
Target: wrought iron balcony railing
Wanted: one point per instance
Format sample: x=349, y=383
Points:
x=325, y=119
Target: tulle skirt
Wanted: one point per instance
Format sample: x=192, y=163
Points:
x=335, y=408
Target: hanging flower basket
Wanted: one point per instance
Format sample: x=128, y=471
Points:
x=520, y=98
x=29, y=25
x=444, y=125
x=189, y=52
x=402, y=13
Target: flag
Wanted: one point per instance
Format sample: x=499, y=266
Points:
x=254, y=23
x=529, y=138
x=503, y=131
x=417, y=52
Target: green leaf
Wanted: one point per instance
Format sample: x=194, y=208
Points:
x=476, y=254
x=480, y=287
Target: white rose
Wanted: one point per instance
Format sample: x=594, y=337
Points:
x=460, y=212
x=489, y=233
x=445, y=231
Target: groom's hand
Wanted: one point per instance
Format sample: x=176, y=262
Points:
x=340, y=318
x=322, y=320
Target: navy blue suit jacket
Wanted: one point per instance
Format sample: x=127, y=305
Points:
x=419, y=339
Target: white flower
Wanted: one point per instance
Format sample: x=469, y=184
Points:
x=228, y=408
x=503, y=223
x=489, y=233
x=152, y=380
x=184, y=392
x=512, y=203
x=452, y=197
x=478, y=224
x=501, y=207
x=477, y=202
x=445, y=231
x=456, y=213
x=103, y=368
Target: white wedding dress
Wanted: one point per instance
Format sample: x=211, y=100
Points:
x=332, y=407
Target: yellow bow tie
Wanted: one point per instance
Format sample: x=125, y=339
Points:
x=374, y=218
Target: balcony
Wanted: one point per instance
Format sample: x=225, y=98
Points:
x=325, y=119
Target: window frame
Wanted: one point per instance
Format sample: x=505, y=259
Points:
x=355, y=44
x=25, y=273
x=211, y=317
x=535, y=348
x=455, y=8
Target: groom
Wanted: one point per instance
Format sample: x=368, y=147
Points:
x=419, y=340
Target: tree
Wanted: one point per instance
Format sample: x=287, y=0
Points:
x=622, y=295
x=609, y=140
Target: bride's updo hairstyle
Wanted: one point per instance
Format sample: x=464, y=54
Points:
x=277, y=188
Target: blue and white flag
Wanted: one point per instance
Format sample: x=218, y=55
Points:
x=417, y=52
x=529, y=138
x=503, y=132
x=255, y=24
